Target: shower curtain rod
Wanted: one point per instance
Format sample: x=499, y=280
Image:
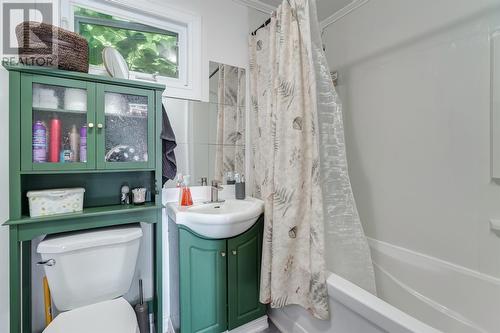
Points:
x=262, y=26
x=214, y=72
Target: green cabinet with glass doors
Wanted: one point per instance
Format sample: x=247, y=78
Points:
x=70, y=129
x=117, y=122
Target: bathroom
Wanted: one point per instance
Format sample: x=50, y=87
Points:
x=407, y=94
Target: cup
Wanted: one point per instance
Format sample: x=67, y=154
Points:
x=138, y=196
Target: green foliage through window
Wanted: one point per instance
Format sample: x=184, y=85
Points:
x=146, y=49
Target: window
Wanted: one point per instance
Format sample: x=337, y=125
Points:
x=146, y=49
x=160, y=43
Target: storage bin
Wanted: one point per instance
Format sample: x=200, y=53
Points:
x=43, y=44
x=55, y=201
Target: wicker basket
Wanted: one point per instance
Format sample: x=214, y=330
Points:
x=42, y=44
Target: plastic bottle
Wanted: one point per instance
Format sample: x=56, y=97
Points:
x=55, y=140
x=74, y=143
x=83, y=144
x=180, y=185
x=39, y=142
x=187, y=199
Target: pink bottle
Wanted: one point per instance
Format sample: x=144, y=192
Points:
x=54, y=140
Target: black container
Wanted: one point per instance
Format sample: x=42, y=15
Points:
x=239, y=191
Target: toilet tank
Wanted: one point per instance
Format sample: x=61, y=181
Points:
x=90, y=266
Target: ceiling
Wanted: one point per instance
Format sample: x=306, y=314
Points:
x=325, y=7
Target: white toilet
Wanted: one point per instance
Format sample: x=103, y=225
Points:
x=88, y=272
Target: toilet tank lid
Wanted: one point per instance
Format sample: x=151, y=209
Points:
x=71, y=241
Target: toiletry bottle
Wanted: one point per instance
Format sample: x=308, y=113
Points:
x=39, y=142
x=83, y=144
x=180, y=185
x=239, y=187
x=55, y=140
x=74, y=143
x=187, y=199
x=230, y=178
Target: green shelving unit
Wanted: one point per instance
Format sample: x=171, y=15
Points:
x=123, y=146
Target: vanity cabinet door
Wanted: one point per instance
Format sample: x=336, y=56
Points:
x=203, y=288
x=57, y=124
x=244, y=277
x=125, y=128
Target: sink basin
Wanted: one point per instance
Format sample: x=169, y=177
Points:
x=218, y=220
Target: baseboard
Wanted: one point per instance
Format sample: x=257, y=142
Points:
x=255, y=326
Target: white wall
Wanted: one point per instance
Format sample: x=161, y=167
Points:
x=415, y=82
x=224, y=30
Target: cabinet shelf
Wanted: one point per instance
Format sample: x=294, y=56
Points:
x=79, y=112
x=121, y=115
x=87, y=212
x=38, y=109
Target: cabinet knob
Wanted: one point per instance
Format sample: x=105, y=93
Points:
x=99, y=126
x=234, y=252
x=223, y=254
x=91, y=125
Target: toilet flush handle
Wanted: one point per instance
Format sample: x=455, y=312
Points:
x=50, y=262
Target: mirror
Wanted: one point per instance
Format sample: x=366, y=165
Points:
x=211, y=136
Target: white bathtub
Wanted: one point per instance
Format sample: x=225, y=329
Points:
x=419, y=288
x=353, y=309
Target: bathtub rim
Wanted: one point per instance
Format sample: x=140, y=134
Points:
x=372, y=308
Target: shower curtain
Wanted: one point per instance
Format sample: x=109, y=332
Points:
x=230, y=152
x=299, y=165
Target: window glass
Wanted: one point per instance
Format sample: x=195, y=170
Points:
x=146, y=49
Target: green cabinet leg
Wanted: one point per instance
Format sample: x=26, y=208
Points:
x=158, y=277
x=26, y=285
x=14, y=281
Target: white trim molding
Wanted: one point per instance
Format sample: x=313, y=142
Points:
x=257, y=5
x=355, y=4
x=255, y=326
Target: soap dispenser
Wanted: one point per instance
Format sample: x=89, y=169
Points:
x=186, y=198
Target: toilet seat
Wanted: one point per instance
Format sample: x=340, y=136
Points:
x=115, y=316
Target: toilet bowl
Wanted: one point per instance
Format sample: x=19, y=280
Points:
x=88, y=273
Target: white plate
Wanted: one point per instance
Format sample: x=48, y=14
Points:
x=115, y=64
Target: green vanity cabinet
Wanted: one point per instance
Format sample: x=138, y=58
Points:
x=219, y=281
x=203, y=270
x=243, y=277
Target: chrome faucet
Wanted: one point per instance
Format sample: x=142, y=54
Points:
x=214, y=193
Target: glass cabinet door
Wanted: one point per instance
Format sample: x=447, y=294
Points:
x=125, y=127
x=58, y=120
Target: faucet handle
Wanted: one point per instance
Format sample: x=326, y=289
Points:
x=204, y=181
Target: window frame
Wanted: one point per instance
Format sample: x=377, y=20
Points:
x=186, y=26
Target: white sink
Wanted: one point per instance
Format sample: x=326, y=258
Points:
x=218, y=220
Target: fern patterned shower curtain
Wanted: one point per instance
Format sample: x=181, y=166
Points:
x=299, y=166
